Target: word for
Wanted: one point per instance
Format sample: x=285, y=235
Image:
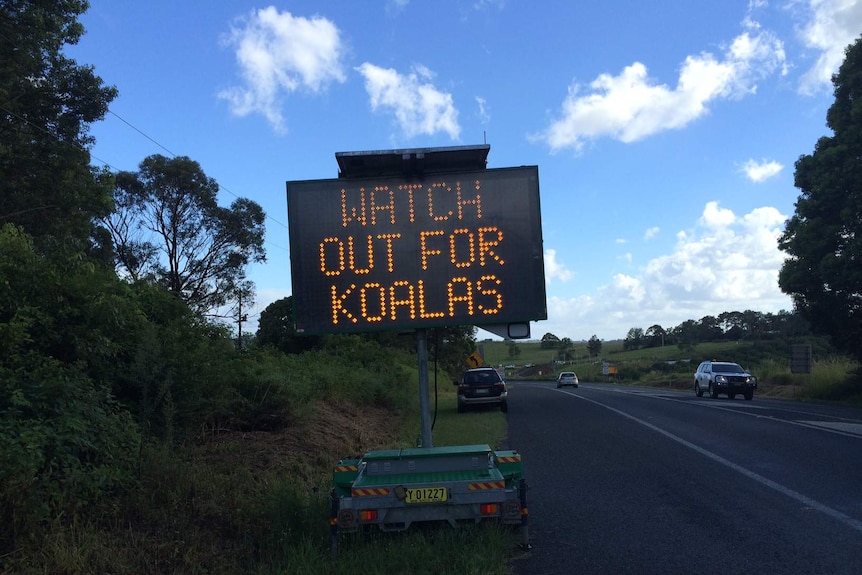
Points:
x=463, y=248
x=376, y=303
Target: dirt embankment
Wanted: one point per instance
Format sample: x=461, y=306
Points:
x=331, y=431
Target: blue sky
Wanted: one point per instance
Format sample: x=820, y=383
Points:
x=665, y=133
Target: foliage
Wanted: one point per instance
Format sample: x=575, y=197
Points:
x=564, y=349
x=452, y=345
x=550, y=341
x=727, y=326
x=276, y=328
x=111, y=387
x=634, y=339
x=47, y=102
x=65, y=442
x=448, y=346
x=823, y=239
x=168, y=226
x=513, y=349
x=594, y=346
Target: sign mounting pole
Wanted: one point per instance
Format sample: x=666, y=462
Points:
x=424, y=403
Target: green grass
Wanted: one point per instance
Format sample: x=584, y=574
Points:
x=475, y=426
x=496, y=353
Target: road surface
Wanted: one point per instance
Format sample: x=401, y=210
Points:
x=638, y=480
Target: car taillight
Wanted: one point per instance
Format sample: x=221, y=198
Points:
x=489, y=508
x=501, y=386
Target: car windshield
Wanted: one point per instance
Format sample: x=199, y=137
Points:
x=727, y=368
x=567, y=374
x=480, y=377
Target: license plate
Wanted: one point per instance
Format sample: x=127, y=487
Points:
x=426, y=495
x=482, y=391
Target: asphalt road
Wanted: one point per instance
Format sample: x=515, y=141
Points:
x=636, y=480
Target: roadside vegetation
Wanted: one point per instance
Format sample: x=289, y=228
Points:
x=833, y=377
x=139, y=435
x=244, y=490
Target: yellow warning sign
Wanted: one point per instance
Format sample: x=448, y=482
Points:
x=475, y=360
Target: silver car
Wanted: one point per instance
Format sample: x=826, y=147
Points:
x=567, y=378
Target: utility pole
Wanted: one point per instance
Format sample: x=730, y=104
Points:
x=240, y=319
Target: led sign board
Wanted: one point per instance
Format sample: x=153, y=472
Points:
x=399, y=252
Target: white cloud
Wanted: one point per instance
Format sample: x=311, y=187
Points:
x=832, y=26
x=419, y=107
x=633, y=106
x=651, y=233
x=278, y=53
x=554, y=269
x=761, y=171
x=484, y=114
x=726, y=263
x=714, y=217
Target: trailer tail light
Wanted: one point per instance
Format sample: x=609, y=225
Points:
x=489, y=509
x=367, y=515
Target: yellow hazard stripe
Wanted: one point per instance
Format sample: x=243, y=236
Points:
x=345, y=468
x=508, y=459
x=370, y=491
x=487, y=485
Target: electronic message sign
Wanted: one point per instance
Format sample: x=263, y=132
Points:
x=400, y=252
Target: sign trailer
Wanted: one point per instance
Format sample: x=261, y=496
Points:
x=417, y=239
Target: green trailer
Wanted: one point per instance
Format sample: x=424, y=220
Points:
x=392, y=489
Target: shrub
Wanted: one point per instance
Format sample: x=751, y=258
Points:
x=65, y=447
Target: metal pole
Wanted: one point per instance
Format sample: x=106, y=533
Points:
x=424, y=403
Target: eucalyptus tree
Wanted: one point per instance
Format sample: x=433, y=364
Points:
x=823, y=239
x=47, y=103
x=168, y=228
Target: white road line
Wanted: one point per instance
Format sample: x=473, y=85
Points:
x=803, y=499
x=844, y=426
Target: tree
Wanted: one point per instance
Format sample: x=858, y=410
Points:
x=452, y=346
x=709, y=329
x=686, y=335
x=168, y=226
x=732, y=324
x=594, y=346
x=564, y=349
x=47, y=102
x=823, y=238
x=276, y=329
x=634, y=339
x=549, y=341
x=513, y=348
x=655, y=335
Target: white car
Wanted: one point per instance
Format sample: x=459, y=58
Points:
x=567, y=378
x=716, y=377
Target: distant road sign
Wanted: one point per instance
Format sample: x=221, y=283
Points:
x=475, y=360
x=800, y=358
